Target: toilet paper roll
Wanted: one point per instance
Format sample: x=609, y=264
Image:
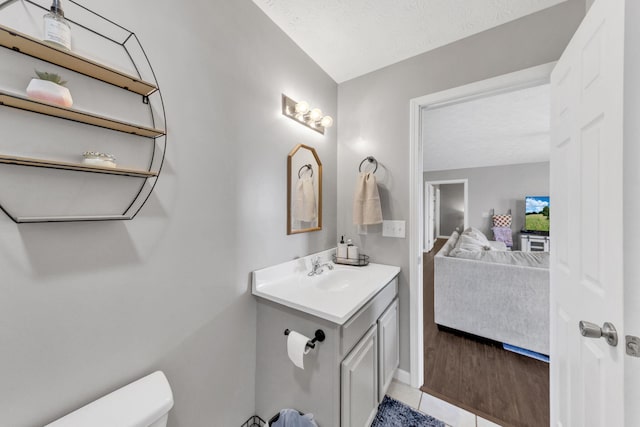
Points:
x=297, y=348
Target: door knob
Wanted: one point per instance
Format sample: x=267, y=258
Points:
x=608, y=332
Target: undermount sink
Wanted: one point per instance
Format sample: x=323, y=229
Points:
x=334, y=295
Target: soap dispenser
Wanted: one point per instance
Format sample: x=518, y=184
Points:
x=57, y=30
x=341, y=252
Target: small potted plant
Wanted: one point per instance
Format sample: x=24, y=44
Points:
x=49, y=87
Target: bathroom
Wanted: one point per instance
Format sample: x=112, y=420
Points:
x=88, y=307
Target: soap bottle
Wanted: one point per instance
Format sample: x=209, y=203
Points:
x=352, y=251
x=57, y=30
x=341, y=252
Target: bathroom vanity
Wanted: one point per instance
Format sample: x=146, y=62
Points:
x=346, y=375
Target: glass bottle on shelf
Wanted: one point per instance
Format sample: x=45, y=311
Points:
x=57, y=30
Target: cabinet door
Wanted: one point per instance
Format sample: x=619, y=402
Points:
x=388, y=347
x=360, y=382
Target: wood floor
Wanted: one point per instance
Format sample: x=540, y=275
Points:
x=501, y=386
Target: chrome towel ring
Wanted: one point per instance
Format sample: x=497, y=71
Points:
x=307, y=166
x=369, y=159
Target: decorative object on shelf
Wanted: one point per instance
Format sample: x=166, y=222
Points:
x=57, y=30
x=301, y=112
x=96, y=158
x=360, y=261
x=49, y=87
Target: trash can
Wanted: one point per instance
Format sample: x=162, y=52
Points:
x=254, y=421
x=291, y=418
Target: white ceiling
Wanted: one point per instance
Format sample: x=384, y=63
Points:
x=349, y=38
x=510, y=128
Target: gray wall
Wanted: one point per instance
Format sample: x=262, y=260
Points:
x=374, y=118
x=451, y=208
x=89, y=307
x=500, y=188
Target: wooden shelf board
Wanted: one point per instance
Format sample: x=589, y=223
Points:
x=26, y=219
x=31, y=46
x=27, y=161
x=24, y=103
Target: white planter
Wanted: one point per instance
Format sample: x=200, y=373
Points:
x=50, y=92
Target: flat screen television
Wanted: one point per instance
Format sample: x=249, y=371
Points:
x=537, y=214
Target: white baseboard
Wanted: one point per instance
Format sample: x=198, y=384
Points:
x=402, y=376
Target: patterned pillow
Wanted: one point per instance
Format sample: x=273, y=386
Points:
x=502, y=220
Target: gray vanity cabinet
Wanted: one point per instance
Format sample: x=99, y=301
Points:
x=388, y=347
x=368, y=369
x=360, y=382
x=345, y=376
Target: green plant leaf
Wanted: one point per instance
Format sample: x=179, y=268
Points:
x=51, y=77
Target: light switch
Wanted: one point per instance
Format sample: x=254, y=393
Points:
x=393, y=229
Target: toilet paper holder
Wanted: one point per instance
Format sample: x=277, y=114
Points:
x=319, y=337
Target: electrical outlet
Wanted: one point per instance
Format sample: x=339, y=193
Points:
x=393, y=229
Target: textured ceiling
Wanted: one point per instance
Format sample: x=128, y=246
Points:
x=349, y=38
x=505, y=129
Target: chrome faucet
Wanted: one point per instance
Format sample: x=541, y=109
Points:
x=317, y=268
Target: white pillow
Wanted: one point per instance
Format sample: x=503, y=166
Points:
x=476, y=234
x=467, y=243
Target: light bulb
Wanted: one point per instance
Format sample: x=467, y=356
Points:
x=299, y=117
x=326, y=122
x=315, y=114
x=302, y=107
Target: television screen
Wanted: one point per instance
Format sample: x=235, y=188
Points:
x=537, y=213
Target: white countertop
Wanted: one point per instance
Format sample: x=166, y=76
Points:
x=334, y=295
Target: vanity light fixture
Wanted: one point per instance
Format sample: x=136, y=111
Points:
x=301, y=112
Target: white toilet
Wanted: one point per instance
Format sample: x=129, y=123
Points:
x=143, y=403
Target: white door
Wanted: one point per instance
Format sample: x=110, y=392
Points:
x=430, y=216
x=587, y=374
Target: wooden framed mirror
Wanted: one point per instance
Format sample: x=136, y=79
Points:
x=304, y=190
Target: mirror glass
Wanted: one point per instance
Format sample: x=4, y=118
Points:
x=304, y=190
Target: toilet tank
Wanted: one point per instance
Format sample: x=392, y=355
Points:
x=143, y=403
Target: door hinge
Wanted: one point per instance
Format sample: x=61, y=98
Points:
x=632, y=345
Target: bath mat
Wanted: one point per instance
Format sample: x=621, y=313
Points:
x=392, y=413
x=525, y=352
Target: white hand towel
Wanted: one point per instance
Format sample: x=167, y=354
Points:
x=304, y=200
x=366, y=201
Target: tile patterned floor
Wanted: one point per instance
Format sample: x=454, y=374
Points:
x=427, y=404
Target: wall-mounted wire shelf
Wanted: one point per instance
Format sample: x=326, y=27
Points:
x=37, y=219
x=23, y=103
x=52, y=164
x=31, y=46
x=65, y=195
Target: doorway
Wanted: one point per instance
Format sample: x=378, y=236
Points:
x=445, y=208
x=421, y=205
